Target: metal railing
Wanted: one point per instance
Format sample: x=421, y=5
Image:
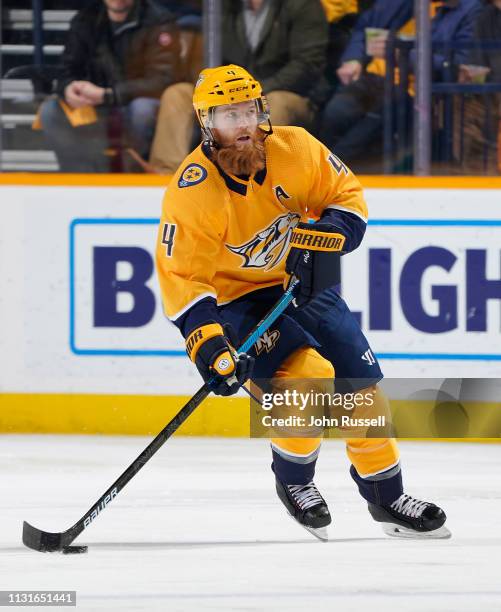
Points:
x=406, y=149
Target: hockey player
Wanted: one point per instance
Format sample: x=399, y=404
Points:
x=223, y=256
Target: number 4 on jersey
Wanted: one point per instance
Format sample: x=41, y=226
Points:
x=168, y=237
x=337, y=164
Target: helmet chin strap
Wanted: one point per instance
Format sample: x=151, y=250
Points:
x=269, y=131
x=209, y=136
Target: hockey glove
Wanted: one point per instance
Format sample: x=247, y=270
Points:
x=313, y=259
x=210, y=350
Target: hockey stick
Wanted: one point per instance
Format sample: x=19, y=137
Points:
x=45, y=541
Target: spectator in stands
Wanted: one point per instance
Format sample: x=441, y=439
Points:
x=487, y=29
x=353, y=117
x=480, y=130
x=453, y=22
x=119, y=57
x=335, y=10
x=281, y=42
x=341, y=15
x=183, y=8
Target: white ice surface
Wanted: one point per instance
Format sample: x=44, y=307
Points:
x=200, y=528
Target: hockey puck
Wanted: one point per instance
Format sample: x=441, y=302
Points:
x=74, y=550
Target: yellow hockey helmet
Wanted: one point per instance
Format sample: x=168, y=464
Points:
x=224, y=85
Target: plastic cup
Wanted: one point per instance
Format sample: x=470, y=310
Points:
x=372, y=35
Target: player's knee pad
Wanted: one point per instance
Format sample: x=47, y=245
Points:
x=305, y=363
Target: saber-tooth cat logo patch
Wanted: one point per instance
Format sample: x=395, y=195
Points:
x=268, y=246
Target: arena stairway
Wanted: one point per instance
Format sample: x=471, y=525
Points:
x=21, y=147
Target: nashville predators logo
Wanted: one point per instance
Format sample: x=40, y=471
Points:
x=267, y=247
x=192, y=175
x=267, y=341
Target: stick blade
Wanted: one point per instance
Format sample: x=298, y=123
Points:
x=42, y=541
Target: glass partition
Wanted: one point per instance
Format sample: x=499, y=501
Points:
x=357, y=92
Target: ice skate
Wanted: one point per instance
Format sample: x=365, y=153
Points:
x=408, y=517
x=305, y=504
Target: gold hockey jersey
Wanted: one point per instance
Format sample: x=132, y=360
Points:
x=222, y=237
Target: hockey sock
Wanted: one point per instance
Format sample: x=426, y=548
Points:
x=381, y=489
x=292, y=472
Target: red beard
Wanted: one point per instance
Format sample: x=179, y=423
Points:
x=246, y=161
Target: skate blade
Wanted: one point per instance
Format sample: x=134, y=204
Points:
x=396, y=531
x=320, y=533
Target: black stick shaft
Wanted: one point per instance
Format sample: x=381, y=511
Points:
x=140, y=461
x=68, y=536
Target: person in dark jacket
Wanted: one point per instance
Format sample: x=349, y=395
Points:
x=120, y=55
x=282, y=42
x=352, y=119
x=487, y=29
x=477, y=129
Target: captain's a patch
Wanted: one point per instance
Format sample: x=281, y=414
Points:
x=192, y=175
